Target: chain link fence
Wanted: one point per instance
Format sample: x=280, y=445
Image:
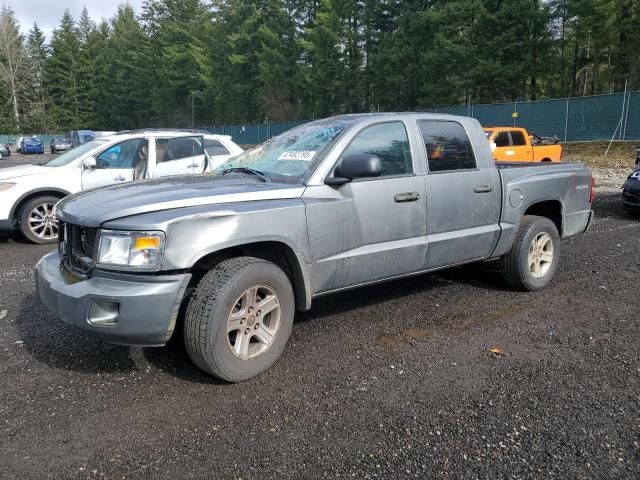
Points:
x=600, y=117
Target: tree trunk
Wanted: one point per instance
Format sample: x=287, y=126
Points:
x=594, y=75
x=575, y=68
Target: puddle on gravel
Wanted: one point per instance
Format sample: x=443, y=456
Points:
x=417, y=334
x=462, y=324
x=489, y=317
x=386, y=340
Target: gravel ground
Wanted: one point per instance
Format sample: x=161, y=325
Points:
x=17, y=159
x=391, y=381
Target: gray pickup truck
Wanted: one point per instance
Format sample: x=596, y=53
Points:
x=331, y=205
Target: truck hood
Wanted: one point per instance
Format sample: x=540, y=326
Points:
x=22, y=171
x=94, y=207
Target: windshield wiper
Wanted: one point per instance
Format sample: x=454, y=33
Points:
x=246, y=170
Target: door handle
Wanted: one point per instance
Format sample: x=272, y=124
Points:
x=119, y=178
x=483, y=189
x=194, y=165
x=406, y=197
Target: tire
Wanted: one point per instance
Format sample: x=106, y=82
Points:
x=516, y=268
x=31, y=212
x=220, y=303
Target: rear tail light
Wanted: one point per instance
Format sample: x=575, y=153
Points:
x=592, y=190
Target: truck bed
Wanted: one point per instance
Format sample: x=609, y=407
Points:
x=503, y=165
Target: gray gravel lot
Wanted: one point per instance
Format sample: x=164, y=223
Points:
x=17, y=159
x=391, y=381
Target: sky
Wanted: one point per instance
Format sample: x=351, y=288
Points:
x=47, y=13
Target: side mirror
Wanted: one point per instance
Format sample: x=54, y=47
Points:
x=355, y=166
x=89, y=162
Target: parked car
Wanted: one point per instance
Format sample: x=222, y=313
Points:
x=31, y=145
x=327, y=206
x=5, y=150
x=28, y=193
x=517, y=145
x=78, y=137
x=60, y=145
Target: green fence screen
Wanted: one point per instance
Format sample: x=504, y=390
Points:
x=600, y=117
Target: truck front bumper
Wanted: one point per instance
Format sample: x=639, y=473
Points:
x=133, y=310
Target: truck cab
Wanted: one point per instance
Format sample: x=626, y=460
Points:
x=512, y=144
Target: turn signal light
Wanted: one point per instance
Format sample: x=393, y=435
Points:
x=143, y=243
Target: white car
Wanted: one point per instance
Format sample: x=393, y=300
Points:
x=28, y=193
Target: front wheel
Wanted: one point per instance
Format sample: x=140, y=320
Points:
x=534, y=255
x=37, y=222
x=239, y=319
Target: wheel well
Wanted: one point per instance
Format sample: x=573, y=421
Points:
x=551, y=209
x=546, y=160
x=276, y=252
x=41, y=193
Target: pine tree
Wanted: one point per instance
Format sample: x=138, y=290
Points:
x=324, y=67
x=87, y=70
x=179, y=31
x=37, y=53
x=127, y=93
x=61, y=75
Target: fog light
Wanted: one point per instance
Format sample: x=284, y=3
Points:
x=103, y=313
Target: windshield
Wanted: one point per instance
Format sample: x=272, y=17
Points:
x=74, y=153
x=292, y=155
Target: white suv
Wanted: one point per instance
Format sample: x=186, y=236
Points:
x=28, y=193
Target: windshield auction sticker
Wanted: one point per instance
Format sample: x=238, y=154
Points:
x=300, y=155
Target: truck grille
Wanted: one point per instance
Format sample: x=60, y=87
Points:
x=77, y=247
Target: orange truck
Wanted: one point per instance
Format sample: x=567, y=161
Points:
x=512, y=144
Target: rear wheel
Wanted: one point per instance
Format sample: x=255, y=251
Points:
x=239, y=319
x=37, y=222
x=534, y=255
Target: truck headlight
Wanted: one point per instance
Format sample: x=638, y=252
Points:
x=121, y=250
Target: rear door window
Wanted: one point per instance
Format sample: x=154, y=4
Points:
x=214, y=147
x=448, y=146
x=168, y=150
x=518, y=138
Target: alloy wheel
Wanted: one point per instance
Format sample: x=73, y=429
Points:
x=253, y=322
x=540, y=255
x=42, y=221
